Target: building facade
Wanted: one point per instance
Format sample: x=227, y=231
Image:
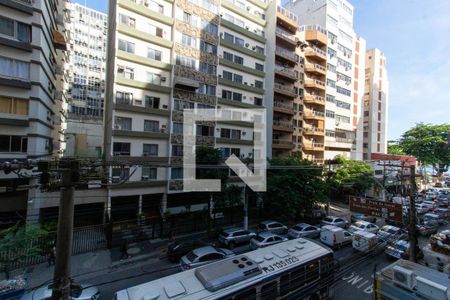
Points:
x=163, y=57
x=358, y=94
x=33, y=101
x=336, y=17
x=376, y=99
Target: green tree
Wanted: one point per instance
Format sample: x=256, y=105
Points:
x=395, y=148
x=18, y=243
x=429, y=144
x=351, y=177
x=290, y=191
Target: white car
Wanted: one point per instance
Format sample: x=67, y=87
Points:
x=77, y=292
x=335, y=237
x=364, y=226
x=303, y=230
x=430, y=204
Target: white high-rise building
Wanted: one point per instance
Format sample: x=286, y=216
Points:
x=375, y=99
x=88, y=59
x=336, y=16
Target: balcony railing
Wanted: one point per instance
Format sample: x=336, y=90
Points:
x=315, y=81
x=311, y=113
x=318, y=161
x=313, y=130
x=318, y=51
x=283, y=87
x=283, y=105
x=312, y=28
x=287, y=71
x=284, y=124
x=282, y=143
x=286, y=53
x=287, y=13
x=315, y=98
x=316, y=66
x=286, y=34
x=313, y=145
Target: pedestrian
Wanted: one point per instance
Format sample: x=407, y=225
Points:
x=51, y=256
x=124, y=250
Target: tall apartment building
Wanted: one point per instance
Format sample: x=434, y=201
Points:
x=33, y=102
x=375, y=108
x=336, y=17
x=358, y=94
x=164, y=56
x=88, y=59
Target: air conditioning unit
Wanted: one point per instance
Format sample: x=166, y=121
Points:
x=247, y=45
x=145, y=178
x=163, y=79
x=246, y=27
x=116, y=126
x=430, y=289
x=245, y=83
x=120, y=69
x=248, y=8
x=254, y=47
x=115, y=179
x=404, y=277
x=220, y=76
x=252, y=84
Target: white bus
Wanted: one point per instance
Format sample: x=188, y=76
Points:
x=295, y=269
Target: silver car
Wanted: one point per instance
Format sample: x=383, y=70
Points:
x=202, y=256
x=234, y=236
x=265, y=239
x=77, y=292
x=303, y=230
x=273, y=227
x=334, y=221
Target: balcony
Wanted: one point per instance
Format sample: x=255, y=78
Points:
x=312, y=130
x=287, y=90
x=287, y=18
x=315, y=34
x=283, y=108
x=318, y=161
x=315, y=83
x=286, y=37
x=281, y=144
x=59, y=40
x=315, y=53
x=313, y=114
x=283, y=126
x=316, y=69
x=286, y=73
x=129, y=107
x=313, y=146
x=313, y=99
x=286, y=55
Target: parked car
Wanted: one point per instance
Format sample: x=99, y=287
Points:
x=422, y=208
x=77, y=292
x=430, y=217
x=265, y=239
x=315, y=215
x=442, y=212
x=400, y=249
x=235, y=236
x=335, y=236
x=303, y=230
x=178, y=249
x=391, y=233
x=273, y=227
x=334, y=221
x=364, y=241
x=427, y=228
x=363, y=226
x=202, y=256
x=430, y=204
x=362, y=217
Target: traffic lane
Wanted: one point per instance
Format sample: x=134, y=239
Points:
x=359, y=279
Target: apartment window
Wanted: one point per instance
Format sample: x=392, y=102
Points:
x=238, y=60
x=227, y=94
x=259, y=67
x=126, y=46
x=177, y=150
x=237, y=78
x=209, y=27
x=120, y=173
x=365, y=145
x=331, y=68
x=380, y=95
x=378, y=137
x=154, y=54
x=366, y=134
x=185, y=61
x=331, y=52
x=227, y=56
x=366, y=113
x=124, y=98
x=126, y=20
x=331, y=83
x=207, y=47
x=121, y=149
x=379, y=106
x=345, y=36
x=331, y=98
x=207, y=68
x=332, y=20
x=149, y=173
x=128, y=73
x=239, y=41
x=13, y=143
x=153, y=30
x=16, y=30
x=152, y=102
x=227, y=75
x=343, y=105
x=342, y=119
x=343, y=91
x=153, y=78
x=176, y=173
x=206, y=89
x=188, y=40
x=154, y=6
x=258, y=101
x=183, y=104
x=329, y=114
x=237, y=97
x=14, y=68
x=122, y=123
x=226, y=152
x=230, y=133
x=259, y=49
x=14, y=106
x=259, y=84
x=379, y=116
x=228, y=37
x=330, y=133
x=205, y=130
x=379, y=126
x=177, y=128
x=150, y=149
x=151, y=126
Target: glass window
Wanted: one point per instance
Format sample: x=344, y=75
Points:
x=227, y=94
x=154, y=54
x=122, y=123
x=176, y=173
x=237, y=97
x=259, y=67
x=259, y=84
x=178, y=127
x=14, y=68
x=237, y=78
x=149, y=173
x=121, y=149
x=153, y=78
x=126, y=46
x=177, y=150
x=227, y=75
x=23, y=32
x=129, y=73
x=151, y=126
x=239, y=41
x=152, y=102
x=150, y=150
x=228, y=37
x=238, y=60
x=207, y=47
x=259, y=49
x=7, y=26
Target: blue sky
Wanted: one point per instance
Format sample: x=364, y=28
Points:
x=414, y=36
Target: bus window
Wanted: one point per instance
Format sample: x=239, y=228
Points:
x=312, y=272
x=248, y=294
x=284, y=284
x=297, y=277
x=269, y=291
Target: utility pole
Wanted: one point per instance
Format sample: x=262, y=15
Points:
x=412, y=216
x=245, y=208
x=61, y=276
